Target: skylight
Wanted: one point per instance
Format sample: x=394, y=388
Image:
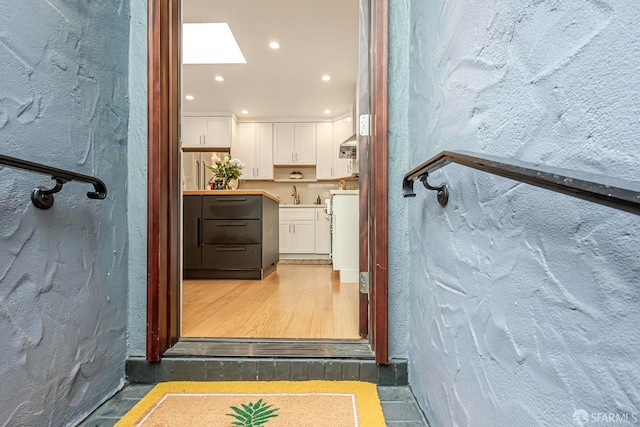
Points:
x=210, y=43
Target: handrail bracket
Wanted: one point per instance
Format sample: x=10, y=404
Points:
x=442, y=190
x=42, y=197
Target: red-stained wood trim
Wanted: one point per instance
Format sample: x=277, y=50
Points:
x=380, y=183
x=163, y=228
x=162, y=182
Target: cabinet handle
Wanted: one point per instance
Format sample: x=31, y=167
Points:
x=232, y=199
x=231, y=224
x=204, y=139
x=198, y=232
x=292, y=158
x=294, y=228
x=296, y=157
x=231, y=249
x=331, y=170
x=257, y=172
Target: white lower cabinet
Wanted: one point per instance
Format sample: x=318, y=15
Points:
x=297, y=230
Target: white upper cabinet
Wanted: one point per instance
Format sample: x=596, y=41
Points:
x=294, y=144
x=254, y=148
x=330, y=136
x=326, y=154
x=207, y=132
x=343, y=129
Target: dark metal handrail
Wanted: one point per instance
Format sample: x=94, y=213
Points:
x=613, y=192
x=43, y=197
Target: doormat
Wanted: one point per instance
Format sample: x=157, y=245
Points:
x=258, y=403
x=306, y=261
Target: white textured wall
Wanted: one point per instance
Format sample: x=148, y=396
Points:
x=137, y=177
x=524, y=304
x=63, y=271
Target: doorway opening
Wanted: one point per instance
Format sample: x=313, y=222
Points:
x=164, y=190
x=279, y=107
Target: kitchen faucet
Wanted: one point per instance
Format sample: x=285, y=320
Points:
x=296, y=197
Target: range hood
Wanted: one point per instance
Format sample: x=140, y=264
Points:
x=349, y=148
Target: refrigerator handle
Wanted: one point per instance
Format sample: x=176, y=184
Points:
x=197, y=186
x=204, y=175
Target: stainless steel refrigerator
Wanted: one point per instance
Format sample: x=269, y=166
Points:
x=195, y=175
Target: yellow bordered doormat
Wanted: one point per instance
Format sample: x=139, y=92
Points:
x=258, y=403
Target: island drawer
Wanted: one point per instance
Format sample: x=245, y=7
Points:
x=229, y=257
x=217, y=231
x=232, y=207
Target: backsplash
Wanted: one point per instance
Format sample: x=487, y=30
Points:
x=308, y=192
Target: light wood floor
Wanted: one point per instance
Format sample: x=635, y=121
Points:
x=297, y=301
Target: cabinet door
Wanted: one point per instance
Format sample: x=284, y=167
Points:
x=305, y=144
x=304, y=236
x=264, y=151
x=217, y=132
x=191, y=239
x=192, y=131
x=245, y=149
x=284, y=233
x=325, y=155
x=323, y=234
x=283, y=144
x=343, y=130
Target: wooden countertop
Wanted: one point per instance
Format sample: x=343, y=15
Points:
x=230, y=193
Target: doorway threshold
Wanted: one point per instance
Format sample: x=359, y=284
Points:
x=272, y=348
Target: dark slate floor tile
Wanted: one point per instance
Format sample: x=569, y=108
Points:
x=333, y=371
x=115, y=407
x=369, y=372
x=282, y=370
x=351, y=371
x=386, y=375
x=395, y=393
x=230, y=370
x=134, y=391
x=300, y=370
x=316, y=370
x=406, y=424
x=213, y=370
x=99, y=422
x=266, y=370
x=401, y=411
x=248, y=370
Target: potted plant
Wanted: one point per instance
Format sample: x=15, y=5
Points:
x=226, y=170
x=296, y=175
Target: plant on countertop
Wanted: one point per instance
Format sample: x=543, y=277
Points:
x=296, y=175
x=226, y=169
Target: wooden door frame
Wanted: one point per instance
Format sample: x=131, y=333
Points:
x=163, y=194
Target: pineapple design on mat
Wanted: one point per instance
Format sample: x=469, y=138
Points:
x=253, y=414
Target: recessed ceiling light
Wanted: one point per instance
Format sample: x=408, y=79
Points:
x=326, y=77
x=327, y=111
x=189, y=97
x=274, y=45
x=210, y=43
x=244, y=112
x=219, y=78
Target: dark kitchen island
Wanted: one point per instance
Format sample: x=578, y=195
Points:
x=230, y=234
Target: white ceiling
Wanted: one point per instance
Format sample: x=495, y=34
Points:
x=316, y=37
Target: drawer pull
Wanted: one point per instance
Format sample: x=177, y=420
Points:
x=231, y=249
x=231, y=224
x=232, y=199
x=198, y=232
